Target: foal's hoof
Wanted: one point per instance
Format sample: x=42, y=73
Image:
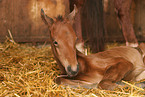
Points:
x=141, y=84
x=58, y=80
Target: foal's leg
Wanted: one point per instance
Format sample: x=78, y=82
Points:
x=115, y=73
x=73, y=82
x=141, y=76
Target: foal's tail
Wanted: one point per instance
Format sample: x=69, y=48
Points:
x=142, y=48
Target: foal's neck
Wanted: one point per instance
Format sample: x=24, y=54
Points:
x=83, y=62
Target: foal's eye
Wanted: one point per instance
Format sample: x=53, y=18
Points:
x=55, y=43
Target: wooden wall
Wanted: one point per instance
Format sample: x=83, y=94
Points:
x=22, y=18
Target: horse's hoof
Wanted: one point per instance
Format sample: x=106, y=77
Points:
x=57, y=80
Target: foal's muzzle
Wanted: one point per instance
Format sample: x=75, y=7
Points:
x=72, y=73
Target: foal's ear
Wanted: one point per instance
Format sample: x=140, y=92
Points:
x=47, y=20
x=72, y=15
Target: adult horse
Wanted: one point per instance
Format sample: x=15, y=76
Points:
x=103, y=69
x=89, y=22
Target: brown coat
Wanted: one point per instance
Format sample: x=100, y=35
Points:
x=106, y=68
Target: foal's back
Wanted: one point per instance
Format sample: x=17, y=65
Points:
x=130, y=54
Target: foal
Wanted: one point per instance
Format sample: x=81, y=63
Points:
x=103, y=69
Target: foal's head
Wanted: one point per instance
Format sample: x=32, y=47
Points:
x=63, y=40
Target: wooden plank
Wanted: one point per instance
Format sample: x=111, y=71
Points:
x=22, y=18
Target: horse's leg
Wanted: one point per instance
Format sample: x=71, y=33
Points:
x=115, y=73
x=73, y=82
x=122, y=9
x=86, y=81
x=78, y=29
x=107, y=85
x=141, y=76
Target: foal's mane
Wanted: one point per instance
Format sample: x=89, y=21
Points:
x=59, y=18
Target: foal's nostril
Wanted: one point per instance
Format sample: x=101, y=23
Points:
x=69, y=69
x=74, y=72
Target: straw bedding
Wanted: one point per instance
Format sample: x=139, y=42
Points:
x=29, y=71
